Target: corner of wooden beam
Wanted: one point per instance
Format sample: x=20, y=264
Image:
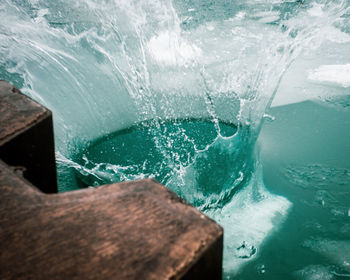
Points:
x=26, y=137
x=129, y=230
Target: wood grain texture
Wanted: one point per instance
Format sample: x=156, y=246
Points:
x=130, y=230
x=18, y=112
x=26, y=137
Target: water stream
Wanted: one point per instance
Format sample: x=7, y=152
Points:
x=241, y=107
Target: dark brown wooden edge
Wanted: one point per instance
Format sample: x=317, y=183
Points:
x=190, y=246
x=26, y=138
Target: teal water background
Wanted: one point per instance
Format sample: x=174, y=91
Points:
x=201, y=160
x=305, y=155
x=274, y=73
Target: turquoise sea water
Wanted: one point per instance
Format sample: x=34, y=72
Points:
x=305, y=156
x=300, y=185
x=241, y=107
x=201, y=160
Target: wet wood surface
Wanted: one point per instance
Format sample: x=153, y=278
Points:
x=130, y=230
x=26, y=138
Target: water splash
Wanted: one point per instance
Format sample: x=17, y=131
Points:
x=105, y=66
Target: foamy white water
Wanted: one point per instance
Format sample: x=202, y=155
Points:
x=338, y=75
x=102, y=67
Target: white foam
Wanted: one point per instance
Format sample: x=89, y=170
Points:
x=168, y=48
x=332, y=74
x=251, y=216
x=267, y=17
x=240, y=15
x=316, y=10
x=335, y=35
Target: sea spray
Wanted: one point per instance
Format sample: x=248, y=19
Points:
x=153, y=68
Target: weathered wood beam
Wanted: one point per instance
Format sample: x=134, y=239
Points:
x=130, y=230
x=26, y=137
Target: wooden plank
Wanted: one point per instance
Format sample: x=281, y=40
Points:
x=26, y=137
x=130, y=230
